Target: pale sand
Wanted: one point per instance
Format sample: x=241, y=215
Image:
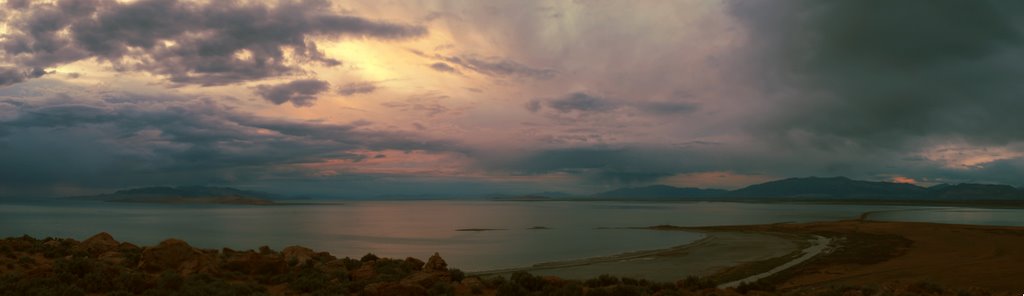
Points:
x=818, y=245
x=717, y=251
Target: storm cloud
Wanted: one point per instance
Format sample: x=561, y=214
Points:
x=202, y=43
x=132, y=140
x=301, y=93
x=889, y=74
x=355, y=88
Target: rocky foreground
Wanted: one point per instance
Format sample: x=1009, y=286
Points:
x=101, y=265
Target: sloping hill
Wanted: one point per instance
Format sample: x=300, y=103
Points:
x=661, y=192
x=834, y=187
x=185, y=195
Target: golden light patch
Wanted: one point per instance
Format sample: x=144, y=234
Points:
x=902, y=179
x=964, y=156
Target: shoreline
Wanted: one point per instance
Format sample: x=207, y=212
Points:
x=717, y=252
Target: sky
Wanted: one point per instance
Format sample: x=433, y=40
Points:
x=371, y=98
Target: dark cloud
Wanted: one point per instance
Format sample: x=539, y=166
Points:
x=429, y=103
x=204, y=43
x=155, y=140
x=600, y=165
x=500, y=67
x=18, y=4
x=355, y=88
x=442, y=67
x=10, y=76
x=667, y=108
x=888, y=74
x=301, y=93
x=582, y=102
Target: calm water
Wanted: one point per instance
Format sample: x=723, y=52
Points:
x=420, y=228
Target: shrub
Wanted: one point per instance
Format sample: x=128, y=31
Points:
x=511, y=289
x=603, y=280
x=693, y=283
x=350, y=263
x=457, y=274
x=26, y=261
x=925, y=288
x=440, y=288
x=495, y=282
x=759, y=285
x=132, y=282
x=528, y=281
x=369, y=257
x=308, y=281
x=170, y=280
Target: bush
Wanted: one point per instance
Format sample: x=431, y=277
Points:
x=350, y=263
x=309, y=281
x=511, y=289
x=495, y=282
x=457, y=274
x=170, y=280
x=369, y=257
x=528, y=281
x=603, y=280
x=759, y=285
x=440, y=288
x=132, y=282
x=693, y=283
x=925, y=288
x=26, y=261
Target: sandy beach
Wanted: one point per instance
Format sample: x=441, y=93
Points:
x=823, y=254
x=717, y=251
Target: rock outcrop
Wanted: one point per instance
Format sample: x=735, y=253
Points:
x=297, y=254
x=435, y=263
x=174, y=254
x=98, y=244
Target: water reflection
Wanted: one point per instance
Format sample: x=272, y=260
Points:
x=420, y=228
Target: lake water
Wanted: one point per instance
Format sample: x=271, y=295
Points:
x=420, y=228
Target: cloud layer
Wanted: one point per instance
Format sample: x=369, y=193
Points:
x=205, y=43
x=506, y=95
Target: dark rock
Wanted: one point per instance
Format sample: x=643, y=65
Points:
x=435, y=263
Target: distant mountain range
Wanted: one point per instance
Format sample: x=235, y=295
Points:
x=832, y=189
x=185, y=195
x=815, y=188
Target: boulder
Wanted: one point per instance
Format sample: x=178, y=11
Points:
x=173, y=254
x=252, y=263
x=300, y=255
x=364, y=272
x=98, y=244
x=435, y=263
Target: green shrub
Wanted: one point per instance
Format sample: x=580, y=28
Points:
x=440, y=288
x=603, y=280
x=759, y=285
x=132, y=282
x=693, y=283
x=528, y=281
x=369, y=257
x=170, y=280
x=457, y=274
x=511, y=289
x=26, y=261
